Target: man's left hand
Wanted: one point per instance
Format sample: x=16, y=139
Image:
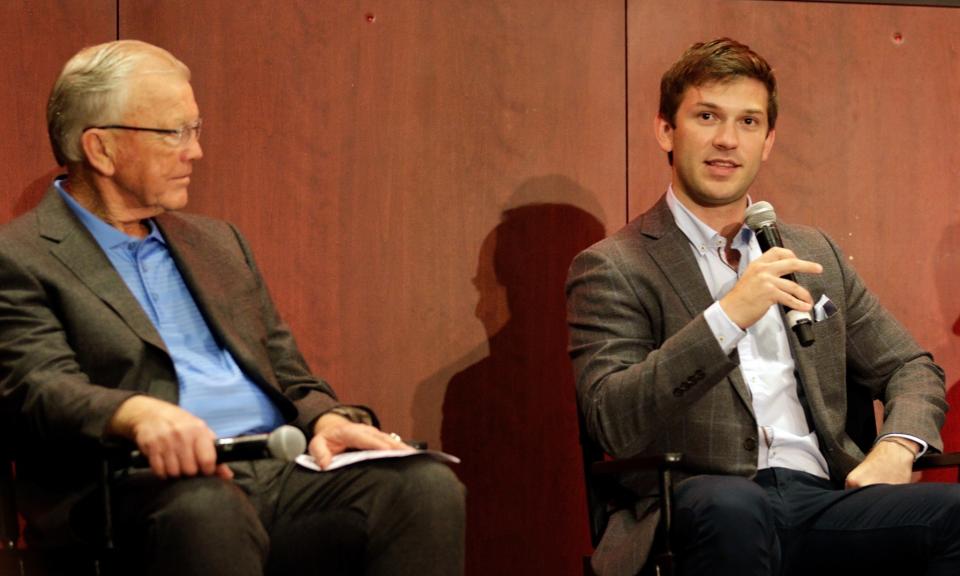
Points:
x=885, y=464
x=334, y=434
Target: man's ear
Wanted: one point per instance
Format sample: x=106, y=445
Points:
x=664, y=132
x=768, y=143
x=99, y=150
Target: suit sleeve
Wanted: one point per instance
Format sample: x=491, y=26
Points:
x=640, y=363
x=41, y=381
x=885, y=358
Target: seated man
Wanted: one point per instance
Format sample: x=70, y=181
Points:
x=121, y=318
x=678, y=344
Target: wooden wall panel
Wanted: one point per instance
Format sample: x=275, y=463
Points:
x=36, y=39
x=866, y=142
x=415, y=178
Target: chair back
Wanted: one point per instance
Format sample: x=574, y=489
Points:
x=598, y=490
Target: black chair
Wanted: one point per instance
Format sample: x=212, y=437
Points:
x=604, y=494
x=94, y=560
x=346, y=538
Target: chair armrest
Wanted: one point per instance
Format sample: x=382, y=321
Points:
x=667, y=461
x=948, y=460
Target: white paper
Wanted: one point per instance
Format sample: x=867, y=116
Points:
x=348, y=458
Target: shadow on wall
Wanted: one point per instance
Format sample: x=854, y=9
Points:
x=511, y=416
x=947, y=352
x=33, y=193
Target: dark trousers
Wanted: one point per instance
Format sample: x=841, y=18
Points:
x=399, y=517
x=789, y=523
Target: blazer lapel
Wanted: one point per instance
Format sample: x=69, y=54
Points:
x=201, y=264
x=806, y=358
x=76, y=249
x=671, y=252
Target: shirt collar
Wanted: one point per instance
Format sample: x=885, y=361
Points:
x=703, y=238
x=106, y=235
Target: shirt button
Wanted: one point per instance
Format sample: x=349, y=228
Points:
x=154, y=296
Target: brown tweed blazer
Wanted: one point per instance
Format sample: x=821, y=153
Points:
x=652, y=378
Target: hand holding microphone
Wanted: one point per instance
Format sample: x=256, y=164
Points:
x=284, y=443
x=173, y=442
x=770, y=280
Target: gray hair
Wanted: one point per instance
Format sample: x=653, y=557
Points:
x=92, y=90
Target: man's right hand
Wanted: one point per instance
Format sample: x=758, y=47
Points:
x=175, y=442
x=762, y=286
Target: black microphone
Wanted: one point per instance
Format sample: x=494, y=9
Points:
x=284, y=443
x=761, y=218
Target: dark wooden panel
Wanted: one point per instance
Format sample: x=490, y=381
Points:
x=415, y=178
x=36, y=39
x=866, y=145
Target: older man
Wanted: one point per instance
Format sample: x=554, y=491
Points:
x=119, y=318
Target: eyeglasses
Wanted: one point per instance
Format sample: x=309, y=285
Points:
x=173, y=136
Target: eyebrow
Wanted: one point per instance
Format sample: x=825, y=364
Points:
x=712, y=106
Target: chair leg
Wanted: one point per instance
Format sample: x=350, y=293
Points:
x=10, y=562
x=664, y=565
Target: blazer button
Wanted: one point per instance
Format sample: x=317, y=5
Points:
x=678, y=392
x=750, y=444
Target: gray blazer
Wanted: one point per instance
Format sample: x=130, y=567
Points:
x=651, y=376
x=75, y=343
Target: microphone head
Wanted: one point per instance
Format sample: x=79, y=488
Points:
x=286, y=443
x=759, y=214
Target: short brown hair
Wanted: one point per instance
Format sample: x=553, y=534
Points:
x=720, y=60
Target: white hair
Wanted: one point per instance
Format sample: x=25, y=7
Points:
x=92, y=90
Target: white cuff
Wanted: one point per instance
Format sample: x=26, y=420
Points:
x=727, y=333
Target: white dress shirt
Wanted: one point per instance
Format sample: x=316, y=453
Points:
x=785, y=438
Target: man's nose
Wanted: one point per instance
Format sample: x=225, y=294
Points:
x=726, y=137
x=193, y=151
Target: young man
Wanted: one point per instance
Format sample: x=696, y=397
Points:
x=678, y=344
x=120, y=317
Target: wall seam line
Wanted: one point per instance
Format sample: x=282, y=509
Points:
x=626, y=109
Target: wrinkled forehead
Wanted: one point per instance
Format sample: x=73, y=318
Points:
x=160, y=96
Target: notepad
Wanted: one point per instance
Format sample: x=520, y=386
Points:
x=350, y=458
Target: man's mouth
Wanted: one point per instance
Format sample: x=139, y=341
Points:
x=722, y=167
x=722, y=163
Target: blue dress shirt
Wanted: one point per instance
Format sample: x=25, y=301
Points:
x=212, y=385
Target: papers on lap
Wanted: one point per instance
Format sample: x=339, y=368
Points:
x=350, y=458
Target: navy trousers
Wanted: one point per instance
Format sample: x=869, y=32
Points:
x=789, y=523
